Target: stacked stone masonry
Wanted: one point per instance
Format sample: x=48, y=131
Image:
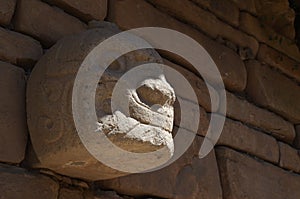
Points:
x=253, y=44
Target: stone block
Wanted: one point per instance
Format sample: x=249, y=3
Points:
x=30, y=18
x=19, y=49
x=246, y=177
x=272, y=90
x=13, y=128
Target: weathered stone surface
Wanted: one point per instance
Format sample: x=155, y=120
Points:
x=65, y=193
x=289, y=157
x=30, y=18
x=188, y=177
x=19, y=49
x=7, y=8
x=240, y=137
x=245, y=177
x=248, y=113
x=297, y=138
x=50, y=116
x=273, y=90
x=13, y=127
x=226, y=10
x=247, y=5
x=265, y=34
x=197, y=84
x=134, y=13
x=278, y=60
x=207, y=22
x=19, y=183
x=86, y=10
x=278, y=15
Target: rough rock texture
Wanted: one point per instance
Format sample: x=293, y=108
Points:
x=240, y=137
x=133, y=14
x=86, y=10
x=289, y=157
x=226, y=10
x=19, y=183
x=274, y=58
x=13, y=127
x=19, y=49
x=273, y=91
x=265, y=34
x=245, y=177
x=277, y=14
x=7, y=8
x=188, y=177
x=248, y=113
x=30, y=18
x=49, y=103
x=207, y=22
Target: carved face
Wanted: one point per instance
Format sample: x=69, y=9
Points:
x=147, y=124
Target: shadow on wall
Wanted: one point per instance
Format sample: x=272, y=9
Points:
x=295, y=5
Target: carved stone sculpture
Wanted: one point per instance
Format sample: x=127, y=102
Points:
x=55, y=142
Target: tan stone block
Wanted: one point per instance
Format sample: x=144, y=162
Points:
x=188, y=177
x=7, y=9
x=19, y=183
x=86, y=10
x=248, y=113
x=19, y=49
x=240, y=137
x=245, y=177
x=133, y=14
x=207, y=22
x=13, y=128
x=273, y=90
x=289, y=157
x=265, y=34
x=278, y=60
x=226, y=9
x=30, y=18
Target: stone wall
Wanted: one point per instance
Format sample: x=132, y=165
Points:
x=253, y=45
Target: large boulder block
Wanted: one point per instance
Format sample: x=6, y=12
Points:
x=246, y=177
x=13, y=128
x=54, y=137
x=7, y=9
